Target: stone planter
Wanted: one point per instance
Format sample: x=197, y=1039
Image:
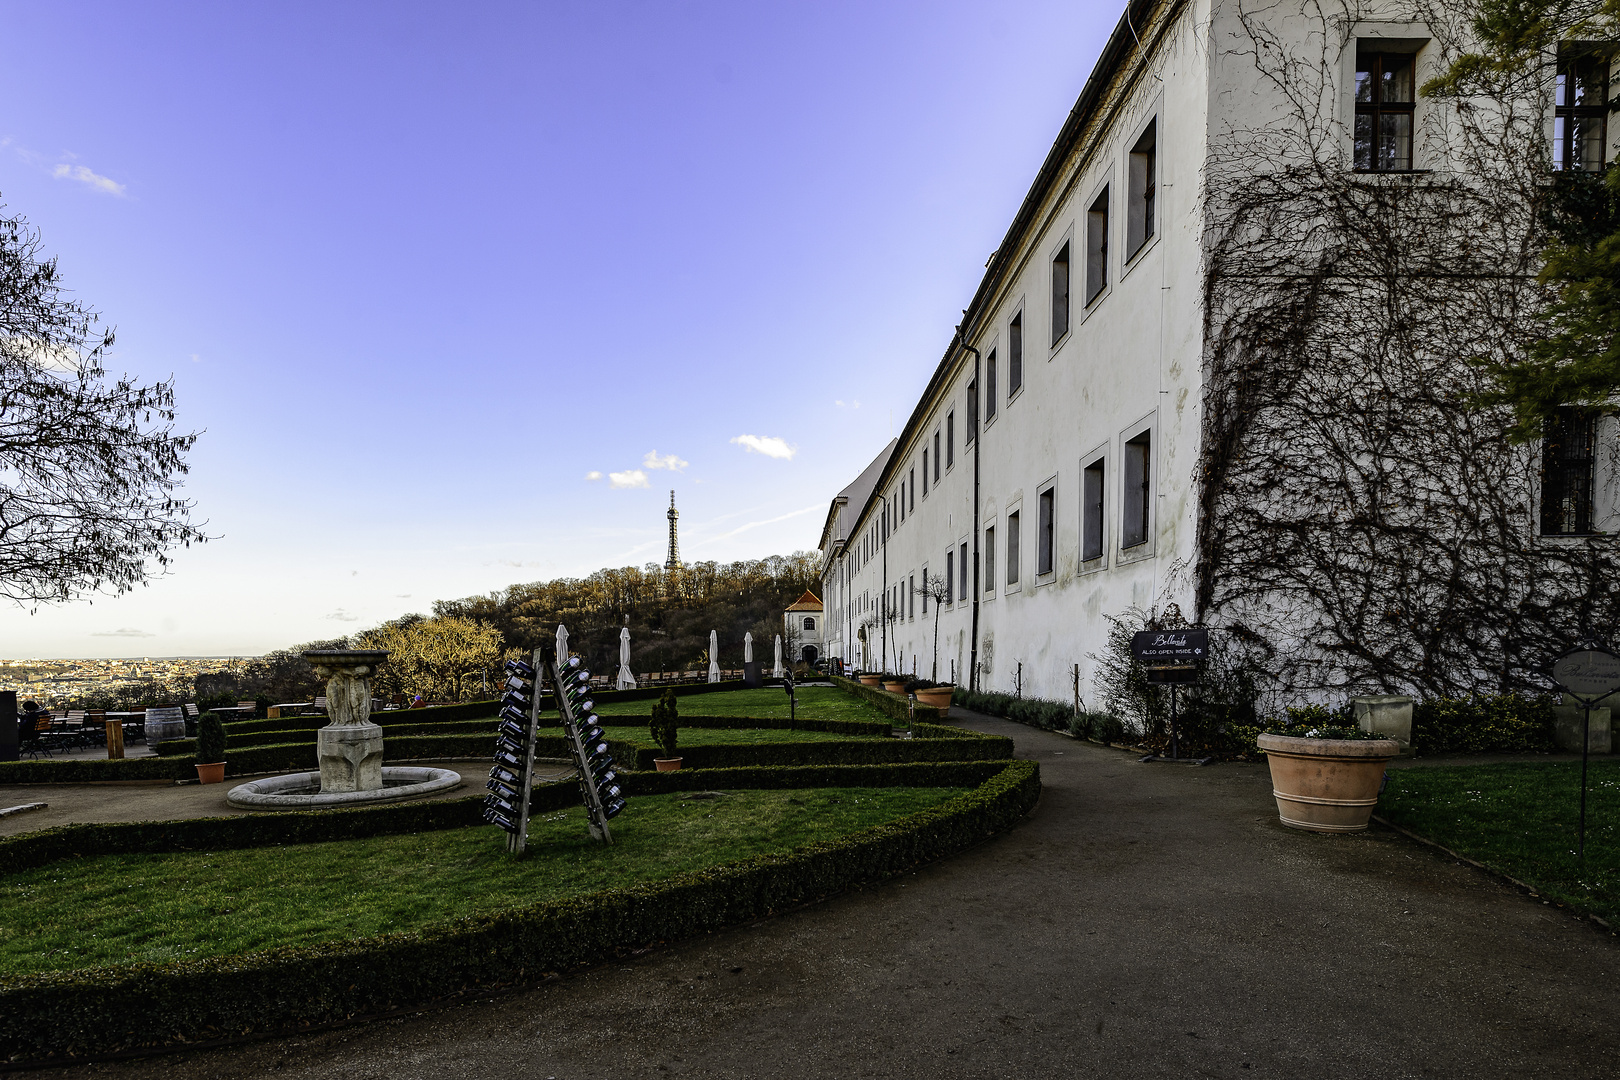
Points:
x=1568, y=721
x=939, y=697
x=667, y=764
x=1326, y=785
x=869, y=680
x=211, y=774
x=895, y=686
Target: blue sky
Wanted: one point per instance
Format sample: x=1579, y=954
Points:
x=421, y=270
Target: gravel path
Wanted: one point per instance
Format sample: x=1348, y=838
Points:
x=1145, y=921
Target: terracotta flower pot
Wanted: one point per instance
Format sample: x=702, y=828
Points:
x=1326, y=785
x=895, y=686
x=667, y=764
x=211, y=774
x=869, y=680
x=939, y=697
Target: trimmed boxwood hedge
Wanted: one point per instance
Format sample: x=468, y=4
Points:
x=57, y=1015
x=893, y=705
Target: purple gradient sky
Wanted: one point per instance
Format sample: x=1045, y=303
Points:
x=419, y=269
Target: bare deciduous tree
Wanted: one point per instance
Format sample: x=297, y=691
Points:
x=89, y=466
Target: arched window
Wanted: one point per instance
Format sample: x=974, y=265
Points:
x=809, y=623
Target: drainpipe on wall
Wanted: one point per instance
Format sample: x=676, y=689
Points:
x=978, y=434
x=883, y=608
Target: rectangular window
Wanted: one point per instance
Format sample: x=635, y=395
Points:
x=925, y=471
x=1043, y=558
x=950, y=440
x=1569, y=457
x=990, y=387
x=1139, y=223
x=1091, y=511
x=962, y=565
x=1136, y=498
x=911, y=590
x=972, y=410
x=911, y=480
x=936, y=457
x=1060, y=294
x=925, y=589
x=902, y=500
x=950, y=576
x=1384, y=100
x=1015, y=354
x=1581, y=113
x=1014, y=555
x=990, y=560
x=1097, y=247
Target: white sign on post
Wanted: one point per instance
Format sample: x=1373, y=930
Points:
x=1588, y=674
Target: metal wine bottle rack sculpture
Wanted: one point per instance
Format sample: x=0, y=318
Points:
x=510, y=781
x=598, y=782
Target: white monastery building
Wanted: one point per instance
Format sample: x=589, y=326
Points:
x=1055, y=469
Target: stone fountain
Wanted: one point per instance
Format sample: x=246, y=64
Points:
x=349, y=749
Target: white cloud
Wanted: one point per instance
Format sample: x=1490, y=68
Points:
x=127, y=631
x=847, y=404
x=769, y=445
x=630, y=478
x=668, y=461
x=593, y=475
x=94, y=180
x=343, y=616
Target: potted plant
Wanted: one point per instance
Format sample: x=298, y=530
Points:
x=933, y=694
x=894, y=684
x=870, y=678
x=1326, y=776
x=210, y=749
x=663, y=726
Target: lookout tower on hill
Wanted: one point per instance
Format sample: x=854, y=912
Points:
x=672, y=561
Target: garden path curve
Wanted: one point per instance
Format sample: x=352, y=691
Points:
x=1145, y=921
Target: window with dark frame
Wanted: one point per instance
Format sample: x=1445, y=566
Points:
x=962, y=567
x=911, y=592
x=1091, y=510
x=1580, y=117
x=1568, y=472
x=1043, y=549
x=1060, y=293
x=1384, y=103
x=1097, y=246
x=1014, y=555
x=950, y=577
x=902, y=500
x=990, y=559
x=911, y=481
x=1139, y=222
x=925, y=470
x=1015, y=354
x=990, y=387
x=936, y=457
x=1136, y=498
x=950, y=440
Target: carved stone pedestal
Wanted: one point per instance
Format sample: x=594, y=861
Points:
x=350, y=748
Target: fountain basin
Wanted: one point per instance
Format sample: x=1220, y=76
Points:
x=302, y=791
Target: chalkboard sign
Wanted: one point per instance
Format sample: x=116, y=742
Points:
x=1588, y=673
x=1167, y=648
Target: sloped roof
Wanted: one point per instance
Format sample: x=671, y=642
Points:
x=807, y=602
x=855, y=495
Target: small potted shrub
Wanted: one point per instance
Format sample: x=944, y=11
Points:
x=870, y=678
x=894, y=684
x=210, y=749
x=930, y=693
x=664, y=729
x=1326, y=774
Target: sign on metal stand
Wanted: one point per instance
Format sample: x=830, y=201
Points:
x=1172, y=657
x=1588, y=673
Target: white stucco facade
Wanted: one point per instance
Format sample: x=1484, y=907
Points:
x=1104, y=383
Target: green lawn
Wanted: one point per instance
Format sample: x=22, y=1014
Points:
x=1520, y=819
x=140, y=908
x=639, y=735
x=815, y=702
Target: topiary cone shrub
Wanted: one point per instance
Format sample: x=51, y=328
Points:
x=210, y=739
x=665, y=723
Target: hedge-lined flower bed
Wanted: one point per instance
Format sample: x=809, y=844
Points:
x=897, y=706
x=107, y=1010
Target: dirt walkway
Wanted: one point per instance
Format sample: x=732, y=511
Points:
x=1145, y=921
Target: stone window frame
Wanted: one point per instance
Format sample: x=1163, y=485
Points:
x=1098, y=454
x=1146, y=549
